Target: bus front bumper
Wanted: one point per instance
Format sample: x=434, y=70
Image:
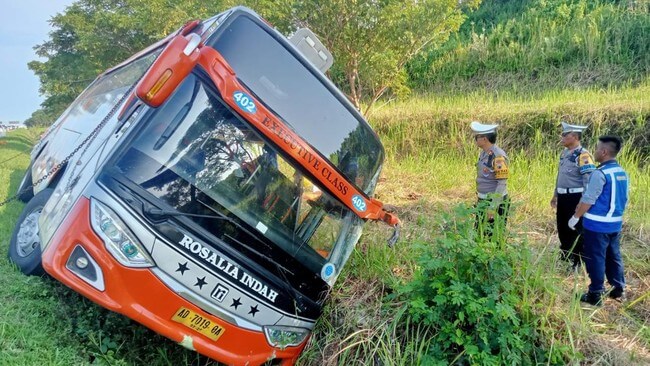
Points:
x=138, y=294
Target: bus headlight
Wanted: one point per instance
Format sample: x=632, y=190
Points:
x=282, y=337
x=119, y=240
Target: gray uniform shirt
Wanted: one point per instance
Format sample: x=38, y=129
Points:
x=492, y=171
x=575, y=167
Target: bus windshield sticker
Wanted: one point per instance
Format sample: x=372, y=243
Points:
x=261, y=227
x=244, y=101
x=359, y=203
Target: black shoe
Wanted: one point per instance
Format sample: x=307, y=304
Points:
x=617, y=293
x=593, y=298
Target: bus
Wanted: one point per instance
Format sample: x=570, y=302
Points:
x=211, y=188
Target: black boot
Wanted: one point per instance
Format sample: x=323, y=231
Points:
x=593, y=298
x=617, y=293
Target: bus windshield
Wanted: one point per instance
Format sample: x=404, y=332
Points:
x=196, y=155
x=303, y=101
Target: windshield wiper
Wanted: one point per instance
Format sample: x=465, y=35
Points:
x=220, y=216
x=158, y=212
x=295, y=295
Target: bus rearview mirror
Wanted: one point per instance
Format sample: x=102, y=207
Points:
x=173, y=64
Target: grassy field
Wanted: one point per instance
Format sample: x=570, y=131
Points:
x=536, y=45
x=429, y=175
x=430, y=172
x=43, y=322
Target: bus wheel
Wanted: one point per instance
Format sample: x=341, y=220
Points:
x=25, y=244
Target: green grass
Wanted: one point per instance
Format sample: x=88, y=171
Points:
x=429, y=171
x=42, y=322
x=539, y=45
x=429, y=146
x=30, y=330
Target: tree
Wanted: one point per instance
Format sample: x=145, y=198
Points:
x=40, y=118
x=91, y=36
x=371, y=40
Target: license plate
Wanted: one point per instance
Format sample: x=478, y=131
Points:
x=199, y=323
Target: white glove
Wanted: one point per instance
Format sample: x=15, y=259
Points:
x=573, y=221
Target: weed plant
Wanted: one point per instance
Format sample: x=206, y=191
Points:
x=474, y=291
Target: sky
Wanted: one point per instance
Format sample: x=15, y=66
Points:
x=23, y=25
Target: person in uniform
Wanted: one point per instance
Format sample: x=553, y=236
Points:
x=576, y=165
x=491, y=177
x=601, y=209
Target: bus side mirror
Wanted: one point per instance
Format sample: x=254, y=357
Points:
x=173, y=64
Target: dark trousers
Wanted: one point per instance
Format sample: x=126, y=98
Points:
x=571, y=241
x=602, y=256
x=485, y=225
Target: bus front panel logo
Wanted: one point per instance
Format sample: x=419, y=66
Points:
x=359, y=203
x=244, y=101
x=219, y=293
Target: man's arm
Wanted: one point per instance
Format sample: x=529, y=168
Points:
x=554, y=199
x=594, y=189
x=581, y=209
x=589, y=197
x=499, y=192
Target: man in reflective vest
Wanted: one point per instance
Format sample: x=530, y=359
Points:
x=491, y=179
x=601, y=207
x=576, y=165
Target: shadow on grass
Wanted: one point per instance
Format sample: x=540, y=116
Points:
x=17, y=143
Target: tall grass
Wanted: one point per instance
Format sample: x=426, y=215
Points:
x=425, y=126
x=545, y=43
x=429, y=139
x=430, y=169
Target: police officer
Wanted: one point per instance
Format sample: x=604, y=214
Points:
x=601, y=207
x=491, y=177
x=576, y=164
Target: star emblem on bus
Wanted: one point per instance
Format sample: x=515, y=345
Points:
x=200, y=282
x=253, y=310
x=235, y=303
x=182, y=268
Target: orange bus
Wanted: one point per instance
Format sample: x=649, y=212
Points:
x=211, y=188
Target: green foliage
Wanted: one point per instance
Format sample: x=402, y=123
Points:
x=527, y=43
x=40, y=118
x=424, y=126
x=91, y=36
x=372, y=40
x=469, y=291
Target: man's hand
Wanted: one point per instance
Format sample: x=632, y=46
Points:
x=554, y=202
x=573, y=221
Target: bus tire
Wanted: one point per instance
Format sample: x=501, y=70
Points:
x=25, y=244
